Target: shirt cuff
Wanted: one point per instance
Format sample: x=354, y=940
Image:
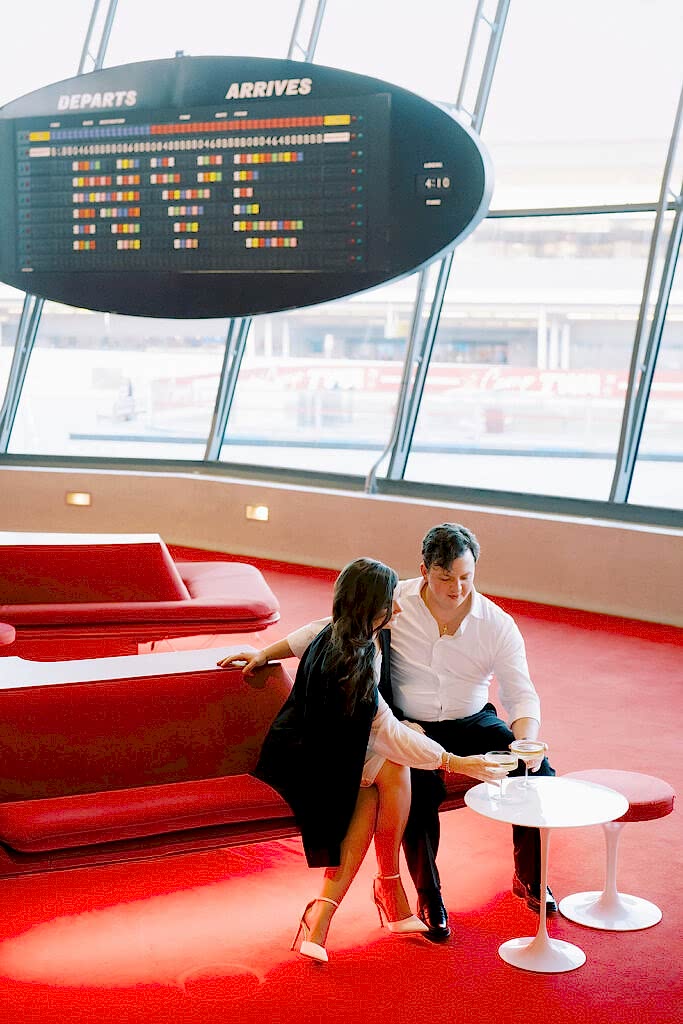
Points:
x=526, y=709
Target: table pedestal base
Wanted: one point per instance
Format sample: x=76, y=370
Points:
x=549, y=956
x=616, y=913
x=548, y=803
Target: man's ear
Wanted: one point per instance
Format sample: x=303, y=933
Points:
x=423, y=570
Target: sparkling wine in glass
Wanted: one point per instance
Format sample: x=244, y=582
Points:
x=527, y=750
x=503, y=759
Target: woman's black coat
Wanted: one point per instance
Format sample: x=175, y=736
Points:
x=314, y=752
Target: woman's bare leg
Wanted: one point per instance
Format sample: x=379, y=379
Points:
x=353, y=849
x=393, y=787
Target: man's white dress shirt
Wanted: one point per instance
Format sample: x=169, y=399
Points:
x=437, y=678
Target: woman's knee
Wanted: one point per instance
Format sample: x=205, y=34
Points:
x=393, y=775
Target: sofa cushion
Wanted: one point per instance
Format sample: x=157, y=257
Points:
x=89, y=818
x=219, y=597
x=84, y=569
x=237, y=587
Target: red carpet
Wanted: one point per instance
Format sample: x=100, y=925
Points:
x=205, y=936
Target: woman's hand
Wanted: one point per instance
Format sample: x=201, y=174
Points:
x=257, y=659
x=252, y=660
x=476, y=767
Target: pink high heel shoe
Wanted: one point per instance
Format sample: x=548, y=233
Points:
x=406, y=925
x=308, y=948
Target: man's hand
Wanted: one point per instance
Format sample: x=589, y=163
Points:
x=538, y=761
x=528, y=729
x=415, y=726
x=252, y=660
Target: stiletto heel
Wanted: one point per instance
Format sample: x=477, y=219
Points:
x=407, y=925
x=307, y=948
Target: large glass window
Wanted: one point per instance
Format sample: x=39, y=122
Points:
x=40, y=42
x=658, y=476
x=105, y=385
x=583, y=101
x=526, y=386
x=10, y=308
x=423, y=51
x=318, y=386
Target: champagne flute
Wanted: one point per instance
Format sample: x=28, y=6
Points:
x=527, y=750
x=503, y=759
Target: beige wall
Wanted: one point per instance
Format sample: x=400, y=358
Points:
x=596, y=565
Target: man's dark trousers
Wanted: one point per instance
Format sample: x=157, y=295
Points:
x=475, y=734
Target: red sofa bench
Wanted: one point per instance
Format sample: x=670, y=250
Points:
x=155, y=757
x=75, y=595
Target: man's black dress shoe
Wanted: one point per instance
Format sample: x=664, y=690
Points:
x=431, y=910
x=530, y=894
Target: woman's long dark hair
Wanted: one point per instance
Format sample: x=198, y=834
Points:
x=363, y=592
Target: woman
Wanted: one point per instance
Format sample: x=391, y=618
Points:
x=341, y=759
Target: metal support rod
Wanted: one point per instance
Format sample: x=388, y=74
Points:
x=472, y=42
x=23, y=346
x=622, y=484
x=421, y=348
x=238, y=332
x=399, y=457
x=106, y=32
x=647, y=336
x=32, y=308
x=490, y=61
x=239, y=327
x=85, y=52
x=306, y=50
x=98, y=59
x=496, y=28
x=404, y=389
x=575, y=211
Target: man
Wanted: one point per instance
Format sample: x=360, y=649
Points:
x=446, y=646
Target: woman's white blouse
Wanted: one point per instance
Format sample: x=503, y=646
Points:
x=391, y=740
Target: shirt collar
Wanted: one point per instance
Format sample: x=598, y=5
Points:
x=477, y=606
x=412, y=591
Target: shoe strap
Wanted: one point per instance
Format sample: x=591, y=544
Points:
x=383, y=877
x=324, y=899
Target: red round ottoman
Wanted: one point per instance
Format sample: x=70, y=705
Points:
x=7, y=634
x=648, y=798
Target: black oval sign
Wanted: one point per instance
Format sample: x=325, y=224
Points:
x=226, y=186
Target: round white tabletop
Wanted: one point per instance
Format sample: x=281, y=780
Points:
x=546, y=803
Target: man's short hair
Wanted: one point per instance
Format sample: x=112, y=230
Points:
x=443, y=544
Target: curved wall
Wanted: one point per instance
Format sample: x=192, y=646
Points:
x=618, y=569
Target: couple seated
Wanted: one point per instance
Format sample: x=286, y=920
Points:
x=396, y=680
